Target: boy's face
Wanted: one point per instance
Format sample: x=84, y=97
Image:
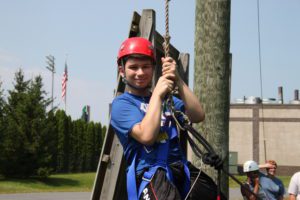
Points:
x=138, y=72
x=271, y=171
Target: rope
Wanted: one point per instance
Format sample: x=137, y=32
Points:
x=199, y=173
x=261, y=79
x=166, y=45
x=167, y=36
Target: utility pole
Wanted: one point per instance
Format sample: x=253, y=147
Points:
x=212, y=77
x=51, y=68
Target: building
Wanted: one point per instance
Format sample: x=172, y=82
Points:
x=262, y=130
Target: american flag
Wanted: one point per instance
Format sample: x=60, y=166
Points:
x=64, y=83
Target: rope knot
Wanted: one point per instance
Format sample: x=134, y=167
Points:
x=213, y=160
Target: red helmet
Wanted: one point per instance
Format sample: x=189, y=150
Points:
x=136, y=45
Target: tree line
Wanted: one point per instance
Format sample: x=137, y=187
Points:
x=38, y=141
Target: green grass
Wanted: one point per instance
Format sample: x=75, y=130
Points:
x=81, y=182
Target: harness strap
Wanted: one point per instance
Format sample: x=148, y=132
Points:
x=146, y=179
x=133, y=192
x=162, y=162
x=131, y=181
x=187, y=180
x=162, y=159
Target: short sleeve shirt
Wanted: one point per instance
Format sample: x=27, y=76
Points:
x=294, y=186
x=129, y=110
x=273, y=187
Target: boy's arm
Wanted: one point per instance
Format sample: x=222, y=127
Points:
x=193, y=108
x=146, y=132
x=266, y=165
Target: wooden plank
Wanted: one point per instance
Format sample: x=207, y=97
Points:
x=134, y=26
x=147, y=24
x=113, y=170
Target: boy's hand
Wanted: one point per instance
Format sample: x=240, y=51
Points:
x=169, y=69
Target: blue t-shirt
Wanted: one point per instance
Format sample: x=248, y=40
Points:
x=129, y=110
x=273, y=187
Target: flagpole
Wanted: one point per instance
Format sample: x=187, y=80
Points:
x=66, y=86
x=66, y=102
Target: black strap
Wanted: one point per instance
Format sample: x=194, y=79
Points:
x=210, y=157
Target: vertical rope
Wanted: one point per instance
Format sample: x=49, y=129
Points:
x=261, y=81
x=166, y=46
x=167, y=36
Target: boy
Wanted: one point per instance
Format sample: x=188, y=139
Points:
x=157, y=168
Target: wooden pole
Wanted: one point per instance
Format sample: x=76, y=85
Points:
x=212, y=77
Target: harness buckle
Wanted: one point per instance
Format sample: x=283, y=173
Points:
x=147, y=176
x=146, y=179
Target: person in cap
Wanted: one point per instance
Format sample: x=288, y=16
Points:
x=260, y=184
x=157, y=167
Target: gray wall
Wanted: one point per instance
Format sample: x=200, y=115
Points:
x=263, y=131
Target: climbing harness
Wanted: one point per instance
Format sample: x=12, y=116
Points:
x=134, y=193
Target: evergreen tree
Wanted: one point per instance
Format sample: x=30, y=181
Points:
x=90, y=146
x=51, y=139
x=24, y=141
x=36, y=142
x=77, y=145
x=69, y=143
x=73, y=154
x=15, y=135
x=2, y=105
x=2, y=123
x=98, y=144
x=82, y=145
x=62, y=141
x=104, y=129
x=41, y=138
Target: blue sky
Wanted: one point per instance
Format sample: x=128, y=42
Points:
x=90, y=33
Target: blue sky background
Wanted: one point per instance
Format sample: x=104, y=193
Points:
x=90, y=33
